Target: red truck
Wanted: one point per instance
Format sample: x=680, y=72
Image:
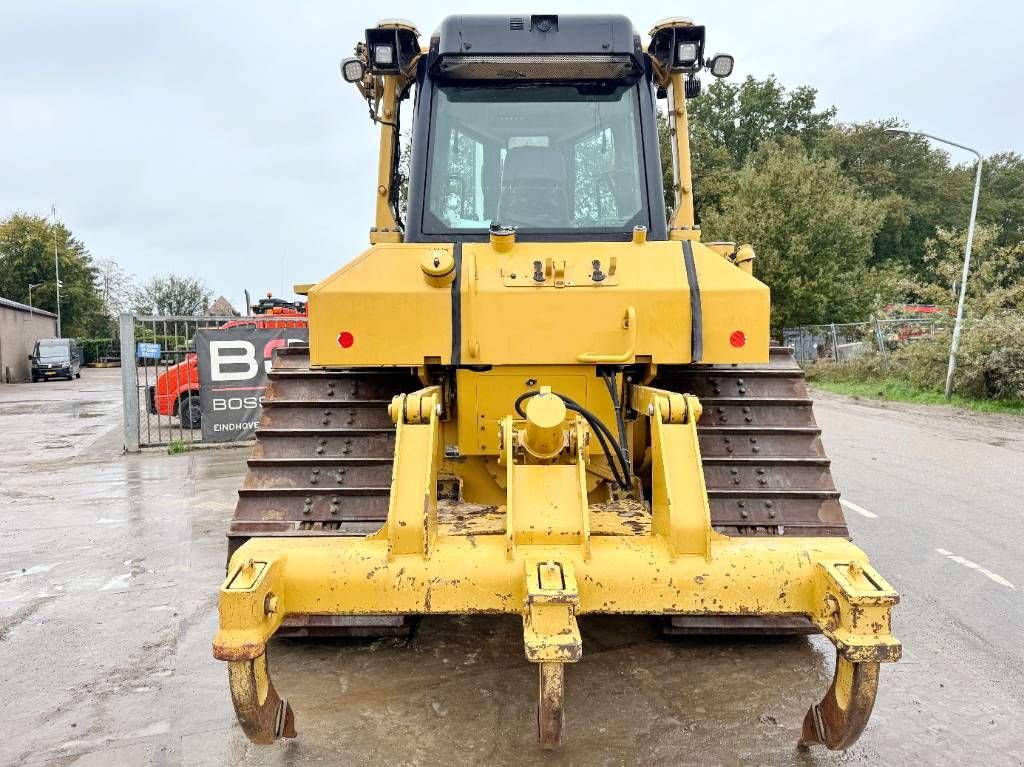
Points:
x=176, y=390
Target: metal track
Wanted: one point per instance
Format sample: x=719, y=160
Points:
x=322, y=467
x=323, y=454
x=764, y=464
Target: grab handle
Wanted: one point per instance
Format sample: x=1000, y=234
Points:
x=630, y=325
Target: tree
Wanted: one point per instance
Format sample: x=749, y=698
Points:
x=403, y=171
x=743, y=116
x=730, y=122
x=1002, y=194
x=173, y=295
x=27, y=256
x=117, y=288
x=990, y=362
x=812, y=231
x=711, y=164
x=996, y=280
x=912, y=180
x=891, y=197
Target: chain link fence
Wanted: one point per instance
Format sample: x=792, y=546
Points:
x=161, y=388
x=841, y=342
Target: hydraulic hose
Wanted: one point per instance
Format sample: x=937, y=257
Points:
x=609, y=381
x=617, y=461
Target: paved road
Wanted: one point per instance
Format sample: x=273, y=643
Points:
x=109, y=568
x=944, y=496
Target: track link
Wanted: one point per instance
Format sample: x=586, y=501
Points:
x=324, y=449
x=764, y=465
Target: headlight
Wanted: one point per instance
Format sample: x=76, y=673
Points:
x=65, y=364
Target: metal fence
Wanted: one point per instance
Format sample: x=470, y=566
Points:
x=841, y=342
x=161, y=388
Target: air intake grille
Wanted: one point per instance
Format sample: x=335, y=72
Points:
x=516, y=22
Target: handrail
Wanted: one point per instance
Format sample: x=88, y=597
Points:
x=630, y=324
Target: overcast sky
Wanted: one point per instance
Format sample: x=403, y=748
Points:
x=218, y=139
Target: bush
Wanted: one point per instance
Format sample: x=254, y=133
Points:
x=168, y=342
x=991, y=358
x=94, y=349
x=177, y=447
x=868, y=367
x=990, y=364
x=921, y=363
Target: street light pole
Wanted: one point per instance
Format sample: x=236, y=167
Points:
x=56, y=266
x=954, y=346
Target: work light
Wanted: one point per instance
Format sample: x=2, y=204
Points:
x=352, y=70
x=383, y=55
x=721, y=64
x=686, y=55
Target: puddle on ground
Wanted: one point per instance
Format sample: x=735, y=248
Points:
x=124, y=580
x=21, y=409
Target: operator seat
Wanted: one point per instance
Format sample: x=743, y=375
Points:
x=533, y=188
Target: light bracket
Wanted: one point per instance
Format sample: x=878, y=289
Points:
x=678, y=45
x=399, y=39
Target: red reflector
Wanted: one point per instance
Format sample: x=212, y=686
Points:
x=738, y=338
x=345, y=339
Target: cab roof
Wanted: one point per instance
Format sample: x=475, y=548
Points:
x=568, y=34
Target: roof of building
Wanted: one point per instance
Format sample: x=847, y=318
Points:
x=222, y=308
x=25, y=307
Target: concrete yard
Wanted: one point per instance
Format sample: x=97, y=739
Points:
x=109, y=568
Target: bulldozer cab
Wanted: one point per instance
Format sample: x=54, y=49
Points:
x=542, y=123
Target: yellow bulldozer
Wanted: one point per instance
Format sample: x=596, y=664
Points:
x=538, y=392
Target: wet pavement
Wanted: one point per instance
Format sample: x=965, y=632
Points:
x=109, y=567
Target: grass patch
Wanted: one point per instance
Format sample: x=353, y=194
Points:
x=178, y=446
x=898, y=391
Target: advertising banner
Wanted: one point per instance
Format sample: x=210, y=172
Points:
x=233, y=365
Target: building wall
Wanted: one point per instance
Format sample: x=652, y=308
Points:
x=19, y=331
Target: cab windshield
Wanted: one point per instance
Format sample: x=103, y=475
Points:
x=54, y=349
x=542, y=158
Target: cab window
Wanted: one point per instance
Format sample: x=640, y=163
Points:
x=537, y=158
